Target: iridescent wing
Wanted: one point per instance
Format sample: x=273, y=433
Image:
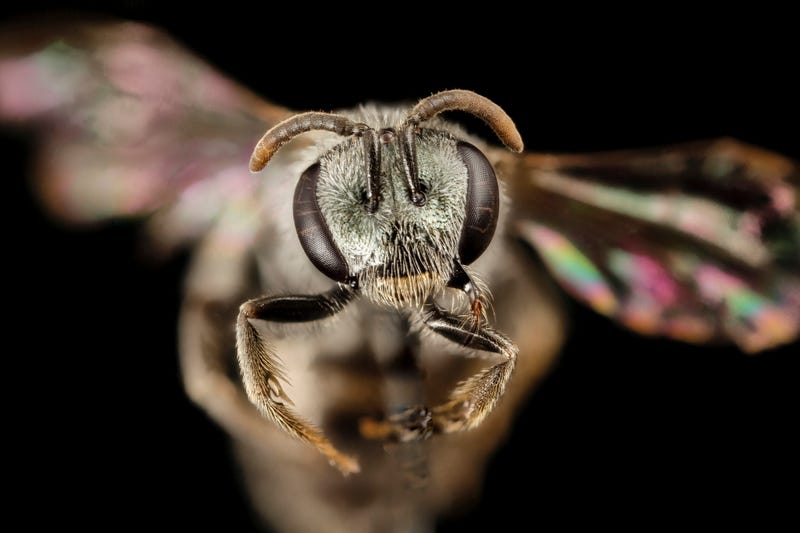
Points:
x=699, y=242
x=130, y=124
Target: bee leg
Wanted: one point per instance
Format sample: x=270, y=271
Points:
x=205, y=369
x=215, y=282
x=261, y=370
x=474, y=398
x=406, y=425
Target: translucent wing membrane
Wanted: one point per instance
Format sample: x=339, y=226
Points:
x=130, y=124
x=698, y=242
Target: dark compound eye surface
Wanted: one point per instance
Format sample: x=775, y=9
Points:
x=313, y=231
x=482, y=206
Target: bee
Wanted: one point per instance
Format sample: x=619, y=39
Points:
x=338, y=307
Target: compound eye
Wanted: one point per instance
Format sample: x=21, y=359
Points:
x=483, y=198
x=312, y=229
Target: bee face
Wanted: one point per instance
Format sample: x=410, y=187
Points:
x=403, y=251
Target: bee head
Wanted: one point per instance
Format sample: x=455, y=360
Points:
x=393, y=208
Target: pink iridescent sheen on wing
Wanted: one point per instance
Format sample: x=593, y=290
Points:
x=755, y=321
x=571, y=267
x=699, y=242
x=707, y=301
x=37, y=83
x=716, y=224
x=131, y=124
x=651, y=291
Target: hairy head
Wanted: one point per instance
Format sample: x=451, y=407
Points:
x=394, y=207
x=402, y=251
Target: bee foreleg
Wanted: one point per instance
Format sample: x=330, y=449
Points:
x=261, y=369
x=474, y=398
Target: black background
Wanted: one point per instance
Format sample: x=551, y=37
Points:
x=625, y=431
